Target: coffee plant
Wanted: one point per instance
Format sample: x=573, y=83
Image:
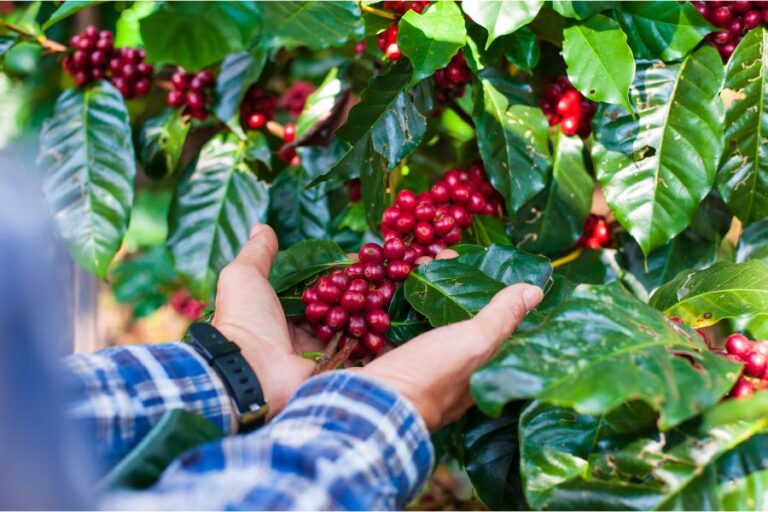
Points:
x=612, y=153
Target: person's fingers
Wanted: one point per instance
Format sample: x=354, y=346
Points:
x=260, y=250
x=421, y=260
x=447, y=254
x=496, y=321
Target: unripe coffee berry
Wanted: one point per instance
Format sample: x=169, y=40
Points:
x=377, y=320
x=371, y=253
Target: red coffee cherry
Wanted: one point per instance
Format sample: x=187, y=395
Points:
x=742, y=389
x=377, y=320
x=405, y=223
x=443, y=224
x=387, y=289
x=738, y=345
x=424, y=232
x=398, y=270
x=353, y=301
x=309, y=295
x=756, y=364
x=359, y=285
x=327, y=292
x=340, y=279
x=376, y=300
x=371, y=253
x=317, y=312
x=394, y=249
x=406, y=200
x=356, y=326
x=440, y=192
x=453, y=236
x=337, y=318
x=355, y=270
x=324, y=333
x=374, y=342
x=374, y=272
x=424, y=212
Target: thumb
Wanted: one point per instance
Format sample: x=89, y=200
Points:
x=260, y=250
x=498, y=320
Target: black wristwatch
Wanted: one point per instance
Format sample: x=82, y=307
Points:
x=239, y=378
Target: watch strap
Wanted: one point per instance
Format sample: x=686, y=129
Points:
x=239, y=378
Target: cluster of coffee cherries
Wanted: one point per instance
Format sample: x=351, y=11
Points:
x=432, y=221
x=192, y=92
x=564, y=105
x=754, y=356
x=734, y=19
x=186, y=305
x=387, y=40
x=294, y=99
x=287, y=153
x=353, y=302
x=258, y=107
x=596, y=234
x=94, y=57
x=451, y=80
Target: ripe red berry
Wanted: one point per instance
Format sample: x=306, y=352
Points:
x=738, y=345
x=461, y=193
x=601, y=232
x=722, y=16
x=742, y=389
x=195, y=100
x=374, y=272
x=443, y=223
x=337, y=318
x=393, y=52
x=440, y=192
x=405, y=223
x=453, y=236
x=353, y=301
x=387, y=289
x=355, y=270
x=436, y=247
x=406, y=200
x=752, y=19
x=424, y=212
x=423, y=232
x=256, y=120
x=316, y=312
x=371, y=253
x=756, y=364
x=359, y=284
x=377, y=320
x=390, y=216
x=414, y=251
x=460, y=215
x=741, y=6
x=340, y=279
x=476, y=202
x=761, y=347
x=398, y=270
x=324, y=333
x=376, y=300
x=394, y=249
x=569, y=102
x=356, y=326
x=569, y=125
x=727, y=49
x=309, y=295
x=375, y=343
x=327, y=292
x=289, y=132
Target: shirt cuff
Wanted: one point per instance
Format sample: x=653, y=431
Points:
x=392, y=444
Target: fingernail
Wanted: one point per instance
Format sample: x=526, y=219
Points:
x=532, y=295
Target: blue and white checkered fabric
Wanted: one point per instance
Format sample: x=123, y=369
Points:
x=342, y=442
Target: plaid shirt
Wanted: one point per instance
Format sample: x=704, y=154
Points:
x=342, y=442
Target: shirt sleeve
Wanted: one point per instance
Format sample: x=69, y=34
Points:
x=343, y=442
x=116, y=395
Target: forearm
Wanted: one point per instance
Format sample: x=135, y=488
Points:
x=118, y=394
x=342, y=442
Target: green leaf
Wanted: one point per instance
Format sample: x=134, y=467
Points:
x=447, y=291
x=320, y=103
x=127, y=28
x=238, y=72
x=657, y=167
x=753, y=242
x=316, y=25
x=431, y=39
x=725, y=290
x=381, y=130
x=212, y=213
x=257, y=148
x=743, y=176
x=512, y=139
x=600, y=348
x=195, y=35
x=492, y=458
x=160, y=143
x=89, y=168
x=405, y=323
x=500, y=18
x=145, y=281
x=488, y=230
x=662, y=30
x=592, y=267
x=508, y=265
x=554, y=220
x=522, y=49
x=304, y=260
x=579, y=9
x=717, y=463
x=600, y=63
x=67, y=9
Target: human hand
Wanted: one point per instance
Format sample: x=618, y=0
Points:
x=432, y=371
x=249, y=313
